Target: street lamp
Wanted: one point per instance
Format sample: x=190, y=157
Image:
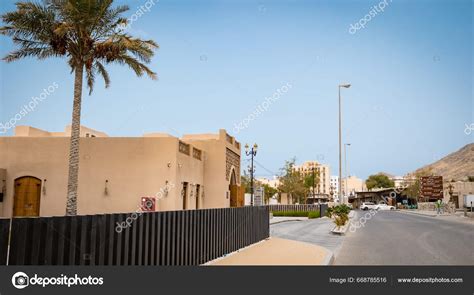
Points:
x=252, y=153
x=345, y=167
x=314, y=197
x=340, y=138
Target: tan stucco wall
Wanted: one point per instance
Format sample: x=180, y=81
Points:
x=353, y=184
x=216, y=196
x=460, y=189
x=133, y=167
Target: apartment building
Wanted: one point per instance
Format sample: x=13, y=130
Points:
x=324, y=186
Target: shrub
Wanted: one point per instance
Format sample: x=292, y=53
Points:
x=343, y=208
x=340, y=213
x=313, y=214
x=340, y=220
x=329, y=212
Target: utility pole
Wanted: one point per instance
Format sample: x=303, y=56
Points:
x=313, y=187
x=340, y=141
x=345, y=167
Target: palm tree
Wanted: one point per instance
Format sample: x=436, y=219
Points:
x=89, y=34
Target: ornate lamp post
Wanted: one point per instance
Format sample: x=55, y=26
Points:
x=252, y=153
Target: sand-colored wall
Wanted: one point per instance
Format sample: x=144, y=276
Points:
x=134, y=167
x=216, y=196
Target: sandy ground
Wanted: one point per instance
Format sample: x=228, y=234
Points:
x=276, y=251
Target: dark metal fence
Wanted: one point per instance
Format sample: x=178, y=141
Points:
x=303, y=207
x=190, y=237
x=4, y=227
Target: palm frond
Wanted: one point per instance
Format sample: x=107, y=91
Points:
x=103, y=72
x=86, y=31
x=38, y=52
x=138, y=67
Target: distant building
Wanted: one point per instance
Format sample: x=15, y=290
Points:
x=118, y=174
x=352, y=184
x=458, y=190
x=334, y=184
x=323, y=188
x=274, y=182
x=398, y=181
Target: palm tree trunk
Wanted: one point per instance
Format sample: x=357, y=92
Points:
x=71, y=204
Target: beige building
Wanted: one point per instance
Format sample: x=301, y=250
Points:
x=352, y=184
x=117, y=174
x=324, y=185
x=274, y=182
x=458, y=190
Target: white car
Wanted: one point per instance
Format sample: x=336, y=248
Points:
x=383, y=206
x=367, y=206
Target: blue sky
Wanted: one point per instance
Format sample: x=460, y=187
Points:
x=410, y=70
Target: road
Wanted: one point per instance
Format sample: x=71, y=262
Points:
x=390, y=238
x=314, y=231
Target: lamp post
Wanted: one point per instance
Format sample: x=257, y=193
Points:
x=252, y=153
x=340, y=139
x=345, y=167
x=331, y=193
x=314, y=197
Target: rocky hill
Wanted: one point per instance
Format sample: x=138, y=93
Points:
x=458, y=165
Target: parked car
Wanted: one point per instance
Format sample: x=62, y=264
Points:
x=383, y=206
x=367, y=206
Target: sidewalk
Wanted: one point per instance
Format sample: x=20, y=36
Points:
x=276, y=251
x=445, y=216
x=423, y=212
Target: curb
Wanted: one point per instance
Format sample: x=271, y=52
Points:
x=281, y=221
x=420, y=214
x=346, y=226
x=343, y=231
x=329, y=260
x=287, y=220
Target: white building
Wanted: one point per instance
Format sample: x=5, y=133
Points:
x=334, y=184
x=274, y=182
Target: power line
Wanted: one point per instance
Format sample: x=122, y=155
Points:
x=264, y=168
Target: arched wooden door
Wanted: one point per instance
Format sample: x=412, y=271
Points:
x=27, y=197
x=233, y=188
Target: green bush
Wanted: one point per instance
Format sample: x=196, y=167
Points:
x=341, y=219
x=312, y=214
x=329, y=212
x=343, y=208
